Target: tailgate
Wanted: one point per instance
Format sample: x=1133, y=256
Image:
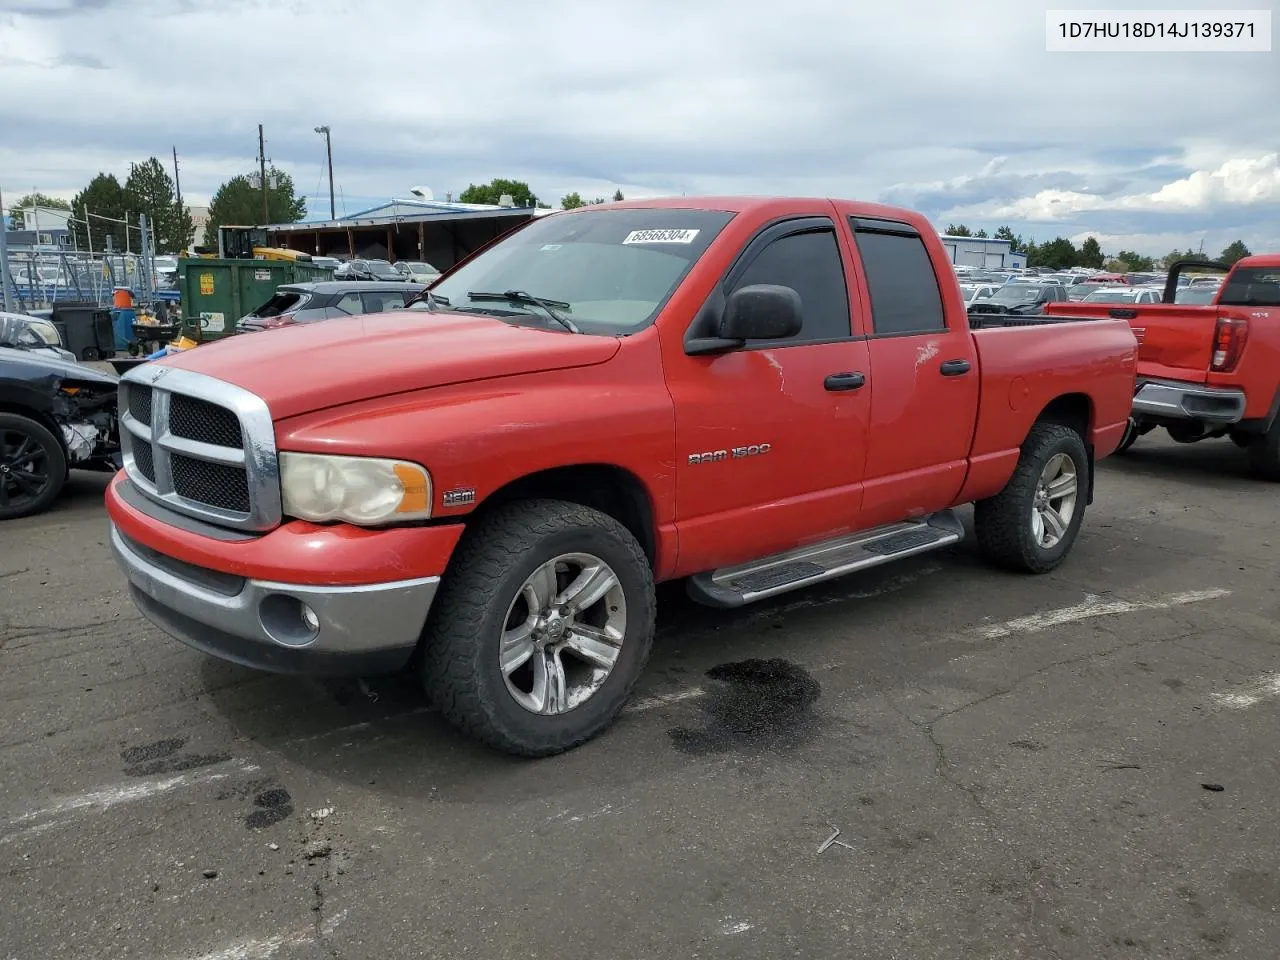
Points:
x=1175, y=341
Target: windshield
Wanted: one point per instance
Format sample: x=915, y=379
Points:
x=1112, y=296
x=609, y=271
x=1252, y=287
x=1016, y=293
x=282, y=302
x=1193, y=295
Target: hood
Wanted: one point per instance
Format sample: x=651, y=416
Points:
x=306, y=367
x=45, y=361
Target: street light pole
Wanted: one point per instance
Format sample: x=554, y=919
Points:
x=328, y=149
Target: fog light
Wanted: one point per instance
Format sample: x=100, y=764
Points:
x=309, y=618
x=288, y=621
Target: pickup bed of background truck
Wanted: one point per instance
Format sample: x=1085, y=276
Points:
x=753, y=395
x=1213, y=370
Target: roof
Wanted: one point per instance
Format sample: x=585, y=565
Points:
x=1260, y=260
x=401, y=211
x=349, y=286
x=948, y=236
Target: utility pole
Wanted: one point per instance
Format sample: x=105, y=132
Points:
x=177, y=184
x=262, y=171
x=6, y=281
x=328, y=149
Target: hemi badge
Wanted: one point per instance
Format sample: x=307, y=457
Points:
x=460, y=497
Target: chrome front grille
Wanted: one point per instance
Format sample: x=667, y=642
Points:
x=200, y=446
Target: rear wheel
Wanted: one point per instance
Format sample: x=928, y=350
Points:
x=1264, y=453
x=33, y=467
x=1031, y=524
x=541, y=628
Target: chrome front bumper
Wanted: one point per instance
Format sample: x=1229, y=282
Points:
x=1186, y=401
x=350, y=631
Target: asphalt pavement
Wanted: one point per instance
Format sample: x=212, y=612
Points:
x=1080, y=765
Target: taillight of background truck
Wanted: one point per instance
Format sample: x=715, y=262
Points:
x=1228, y=343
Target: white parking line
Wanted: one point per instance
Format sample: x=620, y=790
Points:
x=105, y=798
x=1094, y=606
x=1264, y=688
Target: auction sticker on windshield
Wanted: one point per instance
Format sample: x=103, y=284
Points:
x=660, y=236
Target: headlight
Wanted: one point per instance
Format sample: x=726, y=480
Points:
x=360, y=490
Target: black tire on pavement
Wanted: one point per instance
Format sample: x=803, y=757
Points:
x=463, y=636
x=1130, y=437
x=33, y=466
x=1004, y=522
x=1264, y=454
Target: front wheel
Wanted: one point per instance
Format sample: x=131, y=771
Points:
x=542, y=625
x=1031, y=524
x=33, y=466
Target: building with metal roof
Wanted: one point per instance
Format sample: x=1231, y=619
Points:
x=436, y=231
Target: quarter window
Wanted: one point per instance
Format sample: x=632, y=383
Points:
x=900, y=279
x=809, y=263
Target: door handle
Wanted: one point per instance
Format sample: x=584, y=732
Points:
x=954, y=368
x=844, y=381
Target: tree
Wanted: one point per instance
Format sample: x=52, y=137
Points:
x=149, y=190
x=981, y=234
x=1234, y=251
x=34, y=200
x=492, y=192
x=618, y=197
x=1057, y=254
x=1016, y=243
x=957, y=230
x=239, y=203
x=1116, y=265
x=104, y=199
x=571, y=201
x=1090, y=253
x=1136, y=261
x=597, y=201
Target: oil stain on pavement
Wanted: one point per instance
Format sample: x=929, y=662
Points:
x=753, y=705
x=273, y=806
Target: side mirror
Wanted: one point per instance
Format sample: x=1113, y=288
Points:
x=761, y=311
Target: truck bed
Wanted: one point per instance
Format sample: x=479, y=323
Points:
x=987, y=321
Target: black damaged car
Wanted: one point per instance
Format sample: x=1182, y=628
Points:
x=55, y=415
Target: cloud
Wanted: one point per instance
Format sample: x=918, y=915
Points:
x=944, y=107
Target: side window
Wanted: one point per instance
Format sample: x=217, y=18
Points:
x=350, y=303
x=904, y=289
x=381, y=300
x=810, y=264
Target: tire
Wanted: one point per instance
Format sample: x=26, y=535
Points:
x=29, y=454
x=1130, y=437
x=1244, y=440
x=1006, y=523
x=1264, y=454
x=484, y=595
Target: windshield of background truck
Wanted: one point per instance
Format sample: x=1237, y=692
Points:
x=614, y=268
x=1252, y=287
x=1016, y=293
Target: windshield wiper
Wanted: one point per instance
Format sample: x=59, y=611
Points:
x=552, y=308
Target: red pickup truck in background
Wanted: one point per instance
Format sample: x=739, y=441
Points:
x=1211, y=370
x=753, y=395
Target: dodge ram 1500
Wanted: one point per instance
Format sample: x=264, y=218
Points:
x=751, y=395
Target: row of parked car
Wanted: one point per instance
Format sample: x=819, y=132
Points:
x=1031, y=293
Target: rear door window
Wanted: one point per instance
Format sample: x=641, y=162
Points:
x=378, y=301
x=905, y=297
x=349, y=303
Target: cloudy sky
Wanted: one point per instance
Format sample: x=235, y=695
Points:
x=953, y=108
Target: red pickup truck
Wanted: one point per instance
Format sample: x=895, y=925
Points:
x=1212, y=370
x=753, y=395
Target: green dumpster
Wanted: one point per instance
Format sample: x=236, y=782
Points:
x=217, y=293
